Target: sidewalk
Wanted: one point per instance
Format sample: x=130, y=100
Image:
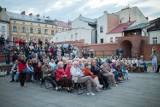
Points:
x=141, y=90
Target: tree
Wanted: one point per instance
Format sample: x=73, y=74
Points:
x=1, y=8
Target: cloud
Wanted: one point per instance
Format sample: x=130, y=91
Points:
x=60, y=4
x=70, y=9
x=96, y=4
x=154, y=5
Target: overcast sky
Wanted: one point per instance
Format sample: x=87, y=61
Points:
x=70, y=9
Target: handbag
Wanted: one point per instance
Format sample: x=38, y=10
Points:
x=26, y=71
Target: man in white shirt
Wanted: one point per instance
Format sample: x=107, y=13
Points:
x=78, y=77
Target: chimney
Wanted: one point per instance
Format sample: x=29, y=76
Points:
x=23, y=13
x=105, y=12
x=147, y=18
x=30, y=14
x=37, y=15
x=69, y=22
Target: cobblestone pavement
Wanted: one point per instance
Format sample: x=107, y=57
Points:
x=141, y=90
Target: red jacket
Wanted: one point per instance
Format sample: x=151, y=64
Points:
x=52, y=51
x=38, y=69
x=60, y=73
x=87, y=72
x=21, y=67
x=67, y=71
x=21, y=42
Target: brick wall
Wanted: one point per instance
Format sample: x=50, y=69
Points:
x=107, y=49
x=2, y=56
x=113, y=21
x=147, y=49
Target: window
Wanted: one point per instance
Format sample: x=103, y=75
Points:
x=154, y=40
x=116, y=39
x=56, y=38
x=101, y=40
x=45, y=31
x=31, y=29
x=14, y=28
x=39, y=31
x=23, y=29
x=46, y=40
x=52, y=32
x=101, y=29
x=76, y=36
x=111, y=39
x=71, y=36
x=3, y=28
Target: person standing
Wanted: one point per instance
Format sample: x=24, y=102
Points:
x=2, y=41
x=154, y=60
x=7, y=55
x=21, y=67
x=158, y=68
x=15, y=56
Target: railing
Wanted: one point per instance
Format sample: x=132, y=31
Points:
x=107, y=53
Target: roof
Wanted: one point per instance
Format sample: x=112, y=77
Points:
x=121, y=27
x=31, y=18
x=139, y=26
x=89, y=20
x=64, y=24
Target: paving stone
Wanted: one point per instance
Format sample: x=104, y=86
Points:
x=141, y=90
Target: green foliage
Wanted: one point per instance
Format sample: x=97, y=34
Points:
x=1, y=8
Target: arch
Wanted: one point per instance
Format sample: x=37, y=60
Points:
x=126, y=45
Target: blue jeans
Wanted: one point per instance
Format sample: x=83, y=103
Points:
x=115, y=75
x=14, y=73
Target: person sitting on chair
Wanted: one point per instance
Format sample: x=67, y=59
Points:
x=86, y=71
x=62, y=79
x=14, y=71
x=142, y=64
x=106, y=71
x=47, y=74
x=78, y=77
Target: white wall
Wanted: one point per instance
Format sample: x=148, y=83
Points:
x=113, y=35
x=72, y=35
x=77, y=23
x=144, y=32
x=135, y=15
x=154, y=34
x=102, y=21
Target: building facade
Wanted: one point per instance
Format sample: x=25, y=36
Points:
x=4, y=23
x=63, y=26
x=131, y=14
x=73, y=35
x=104, y=24
x=154, y=31
x=30, y=27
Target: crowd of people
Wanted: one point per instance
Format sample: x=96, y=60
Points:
x=63, y=66
x=55, y=62
x=64, y=71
